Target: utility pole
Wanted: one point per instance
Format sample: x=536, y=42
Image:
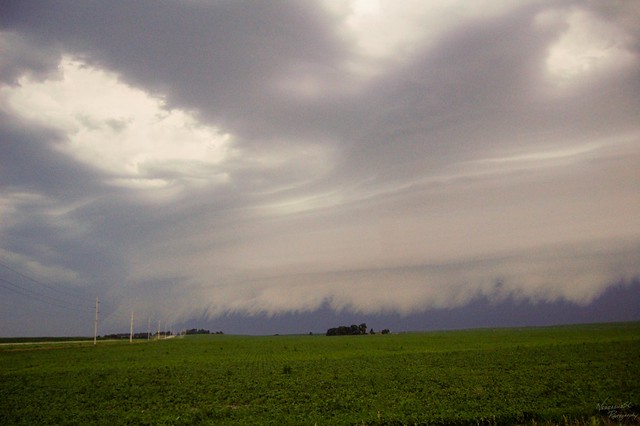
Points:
x=95, y=324
x=131, y=329
x=158, y=329
x=148, y=329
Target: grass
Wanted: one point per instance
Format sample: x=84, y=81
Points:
x=555, y=375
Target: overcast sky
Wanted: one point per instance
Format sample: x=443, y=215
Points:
x=253, y=159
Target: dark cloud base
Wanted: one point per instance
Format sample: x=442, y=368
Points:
x=335, y=179
x=619, y=303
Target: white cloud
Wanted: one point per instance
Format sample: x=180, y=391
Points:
x=386, y=33
x=123, y=131
x=587, y=47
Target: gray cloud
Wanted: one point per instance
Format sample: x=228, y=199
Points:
x=473, y=160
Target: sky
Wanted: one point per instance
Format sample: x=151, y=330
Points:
x=264, y=165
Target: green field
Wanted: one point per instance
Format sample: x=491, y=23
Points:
x=588, y=374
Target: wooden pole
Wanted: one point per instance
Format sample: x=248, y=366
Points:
x=95, y=324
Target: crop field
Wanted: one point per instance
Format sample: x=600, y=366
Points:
x=587, y=374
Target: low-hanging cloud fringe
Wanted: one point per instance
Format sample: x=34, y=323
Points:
x=200, y=159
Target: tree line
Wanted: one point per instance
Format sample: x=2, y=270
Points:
x=158, y=334
x=144, y=335
x=201, y=331
x=352, y=330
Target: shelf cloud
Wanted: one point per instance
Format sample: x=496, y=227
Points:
x=208, y=158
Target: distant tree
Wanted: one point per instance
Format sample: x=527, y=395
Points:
x=339, y=331
x=197, y=331
x=362, y=328
x=385, y=331
x=352, y=330
x=372, y=332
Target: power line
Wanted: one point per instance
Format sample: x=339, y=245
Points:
x=65, y=293
x=40, y=297
x=26, y=291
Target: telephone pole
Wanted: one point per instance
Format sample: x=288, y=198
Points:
x=148, y=329
x=95, y=324
x=131, y=329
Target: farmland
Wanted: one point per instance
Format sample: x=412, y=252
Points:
x=583, y=374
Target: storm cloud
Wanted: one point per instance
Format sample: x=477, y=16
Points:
x=208, y=158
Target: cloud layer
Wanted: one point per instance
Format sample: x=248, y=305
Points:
x=206, y=158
